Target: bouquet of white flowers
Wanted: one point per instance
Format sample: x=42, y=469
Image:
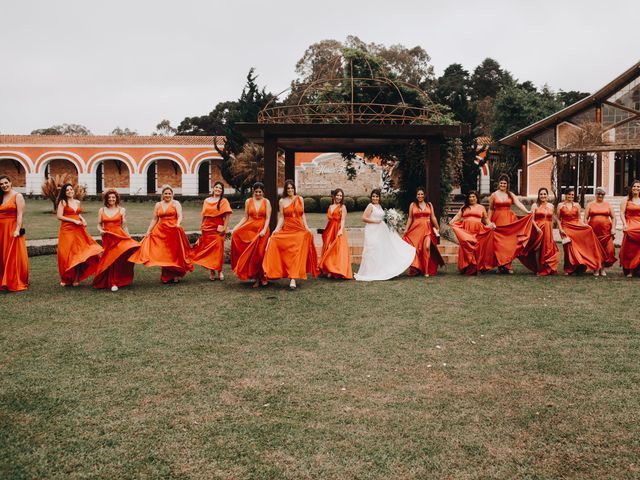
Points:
x=394, y=219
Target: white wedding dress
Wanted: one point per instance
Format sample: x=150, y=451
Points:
x=385, y=254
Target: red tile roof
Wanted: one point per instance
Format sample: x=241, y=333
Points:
x=107, y=140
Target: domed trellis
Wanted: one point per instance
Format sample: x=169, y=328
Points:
x=346, y=115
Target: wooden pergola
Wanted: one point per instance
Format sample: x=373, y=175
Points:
x=344, y=137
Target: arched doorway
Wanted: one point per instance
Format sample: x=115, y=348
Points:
x=15, y=171
x=204, y=178
x=60, y=166
x=112, y=173
x=163, y=171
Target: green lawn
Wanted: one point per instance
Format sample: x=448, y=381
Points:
x=40, y=222
x=447, y=377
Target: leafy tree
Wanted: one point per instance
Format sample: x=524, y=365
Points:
x=488, y=79
x=453, y=90
x=71, y=129
x=123, y=132
x=164, y=129
x=570, y=97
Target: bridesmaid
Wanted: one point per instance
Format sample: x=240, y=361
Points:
x=582, y=250
x=208, y=251
x=506, y=239
x=422, y=233
x=250, y=236
x=114, y=270
x=335, y=258
x=599, y=216
x=543, y=260
x=474, y=232
x=630, y=216
x=290, y=252
x=78, y=253
x=165, y=244
x=14, y=263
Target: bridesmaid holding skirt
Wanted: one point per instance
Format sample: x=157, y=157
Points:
x=599, y=216
x=630, y=216
x=250, y=236
x=165, y=243
x=582, y=250
x=208, y=252
x=114, y=270
x=78, y=253
x=14, y=263
x=543, y=260
x=422, y=233
x=291, y=252
x=335, y=258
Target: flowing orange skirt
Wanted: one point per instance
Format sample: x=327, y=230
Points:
x=114, y=267
x=630, y=250
x=515, y=239
x=335, y=257
x=426, y=260
x=543, y=260
x=474, y=241
x=601, y=226
x=14, y=263
x=168, y=247
x=77, y=253
x=584, y=251
x=208, y=252
x=291, y=253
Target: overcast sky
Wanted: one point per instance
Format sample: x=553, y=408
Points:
x=131, y=63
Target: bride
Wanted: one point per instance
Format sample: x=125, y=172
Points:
x=385, y=254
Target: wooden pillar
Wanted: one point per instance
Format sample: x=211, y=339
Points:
x=525, y=173
x=432, y=173
x=271, y=176
x=290, y=165
x=599, y=169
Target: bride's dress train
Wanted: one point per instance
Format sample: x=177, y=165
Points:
x=385, y=254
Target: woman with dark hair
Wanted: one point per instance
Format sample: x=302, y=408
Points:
x=290, y=251
x=544, y=259
x=599, y=216
x=14, y=263
x=78, y=253
x=165, y=244
x=250, y=236
x=422, y=233
x=512, y=237
x=208, y=252
x=474, y=233
x=630, y=216
x=385, y=255
x=582, y=250
x=335, y=258
x=114, y=270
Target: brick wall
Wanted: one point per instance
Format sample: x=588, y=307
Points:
x=216, y=174
x=14, y=170
x=115, y=174
x=60, y=166
x=168, y=172
x=540, y=176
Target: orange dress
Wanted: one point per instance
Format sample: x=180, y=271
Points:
x=247, y=246
x=425, y=261
x=208, y=252
x=14, y=263
x=474, y=238
x=545, y=259
x=630, y=249
x=77, y=251
x=583, y=252
x=167, y=246
x=335, y=257
x=114, y=267
x=291, y=252
x=600, y=222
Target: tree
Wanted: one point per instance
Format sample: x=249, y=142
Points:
x=164, y=129
x=453, y=90
x=488, y=79
x=570, y=97
x=71, y=129
x=123, y=132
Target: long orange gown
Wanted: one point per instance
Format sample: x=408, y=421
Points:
x=167, y=246
x=247, y=246
x=335, y=257
x=545, y=259
x=114, y=267
x=208, y=252
x=630, y=249
x=584, y=251
x=14, y=263
x=426, y=261
x=474, y=238
x=291, y=252
x=77, y=251
x=600, y=222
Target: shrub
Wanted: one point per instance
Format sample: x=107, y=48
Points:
x=310, y=204
x=350, y=203
x=324, y=203
x=362, y=202
x=52, y=185
x=389, y=201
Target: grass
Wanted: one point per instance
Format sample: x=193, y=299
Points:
x=40, y=222
x=446, y=377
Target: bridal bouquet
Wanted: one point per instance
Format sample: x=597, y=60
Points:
x=394, y=219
